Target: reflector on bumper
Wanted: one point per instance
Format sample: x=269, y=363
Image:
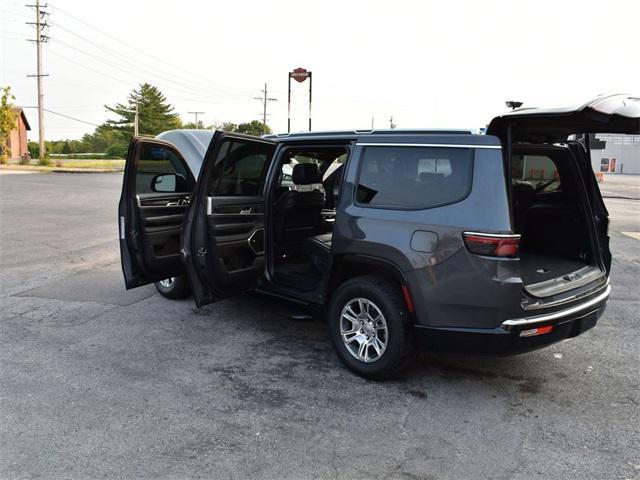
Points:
x=532, y=332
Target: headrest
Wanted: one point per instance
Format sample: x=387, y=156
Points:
x=305, y=174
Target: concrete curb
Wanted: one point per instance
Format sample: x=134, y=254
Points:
x=86, y=170
x=37, y=168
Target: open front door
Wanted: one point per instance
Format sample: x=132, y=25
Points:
x=156, y=192
x=223, y=240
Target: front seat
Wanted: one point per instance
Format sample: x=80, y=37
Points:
x=299, y=214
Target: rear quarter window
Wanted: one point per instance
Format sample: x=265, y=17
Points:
x=414, y=177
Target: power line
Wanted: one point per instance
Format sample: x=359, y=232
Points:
x=145, y=52
x=126, y=65
x=113, y=64
x=149, y=69
x=102, y=73
x=80, y=120
x=66, y=116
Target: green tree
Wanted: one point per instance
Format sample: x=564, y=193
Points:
x=254, y=127
x=194, y=125
x=227, y=127
x=8, y=118
x=33, y=148
x=155, y=114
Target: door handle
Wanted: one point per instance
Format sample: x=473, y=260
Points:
x=246, y=211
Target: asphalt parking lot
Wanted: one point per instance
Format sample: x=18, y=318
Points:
x=96, y=382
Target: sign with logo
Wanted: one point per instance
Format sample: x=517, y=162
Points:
x=300, y=74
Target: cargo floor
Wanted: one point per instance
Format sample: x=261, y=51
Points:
x=538, y=267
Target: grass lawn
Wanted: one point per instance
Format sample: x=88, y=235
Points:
x=90, y=163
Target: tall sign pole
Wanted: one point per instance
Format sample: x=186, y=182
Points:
x=299, y=75
x=289, y=107
x=310, y=101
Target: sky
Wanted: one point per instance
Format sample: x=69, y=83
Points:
x=427, y=64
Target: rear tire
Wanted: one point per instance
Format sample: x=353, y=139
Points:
x=174, y=287
x=369, y=327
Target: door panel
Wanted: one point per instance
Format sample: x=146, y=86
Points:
x=157, y=189
x=223, y=242
x=236, y=224
x=161, y=219
x=598, y=207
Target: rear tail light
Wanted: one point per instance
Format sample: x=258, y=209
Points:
x=492, y=244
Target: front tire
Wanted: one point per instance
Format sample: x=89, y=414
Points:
x=174, y=287
x=369, y=327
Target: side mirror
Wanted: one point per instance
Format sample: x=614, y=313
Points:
x=164, y=183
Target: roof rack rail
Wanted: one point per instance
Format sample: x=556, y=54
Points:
x=395, y=131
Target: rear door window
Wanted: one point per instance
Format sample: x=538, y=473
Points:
x=414, y=177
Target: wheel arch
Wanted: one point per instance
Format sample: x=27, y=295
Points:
x=347, y=267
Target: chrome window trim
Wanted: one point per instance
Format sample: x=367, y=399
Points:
x=443, y=145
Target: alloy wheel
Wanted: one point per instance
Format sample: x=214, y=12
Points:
x=364, y=330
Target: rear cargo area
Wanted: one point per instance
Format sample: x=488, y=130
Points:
x=551, y=214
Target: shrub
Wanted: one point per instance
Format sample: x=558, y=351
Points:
x=118, y=150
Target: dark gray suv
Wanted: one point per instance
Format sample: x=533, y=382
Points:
x=442, y=240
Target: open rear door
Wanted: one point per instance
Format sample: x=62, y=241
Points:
x=156, y=192
x=611, y=114
x=223, y=240
x=608, y=114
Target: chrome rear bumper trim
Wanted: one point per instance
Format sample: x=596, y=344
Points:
x=516, y=322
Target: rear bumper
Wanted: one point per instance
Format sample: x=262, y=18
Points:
x=507, y=339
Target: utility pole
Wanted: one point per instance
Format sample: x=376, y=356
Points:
x=196, y=114
x=41, y=38
x=265, y=99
